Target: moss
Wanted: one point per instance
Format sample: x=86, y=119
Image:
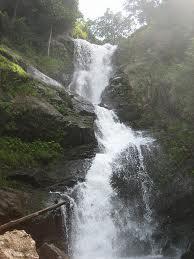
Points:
x=15, y=88
x=10, y=54
x=15, y=153
x=13, y=79
x=9, y=66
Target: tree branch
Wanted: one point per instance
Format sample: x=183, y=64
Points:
x=14, y=223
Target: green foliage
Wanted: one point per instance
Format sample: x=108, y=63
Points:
x=14, y=80
x=141, y=11
x=179, y=142
x=10, y=67
x=30, y=22
x=60, y=13
x=81, y=29
x=110, y=27
x=159, y=60
x=14, y=153
x=27, y=26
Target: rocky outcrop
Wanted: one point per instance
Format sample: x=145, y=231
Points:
x=32, y=110
x=17, y=245
x=41, y=109
x=46, y=144
x=48, y=228
x=119, y=96
x=36, y=118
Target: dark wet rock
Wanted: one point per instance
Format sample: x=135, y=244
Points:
x=38, y=119
x=61, y=173
x=12, y=204
x=190, y=253
x=119, y=96
x=35, y=178
x=47, y=228
x=50, y=251
x=82, y=106
x=70, y=173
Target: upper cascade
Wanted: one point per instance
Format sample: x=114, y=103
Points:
x=92, y=69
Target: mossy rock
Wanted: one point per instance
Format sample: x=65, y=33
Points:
x=15, y=153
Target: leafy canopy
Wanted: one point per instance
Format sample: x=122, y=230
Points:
x=110, y=27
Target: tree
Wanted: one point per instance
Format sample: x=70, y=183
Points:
x=80, y=30
x=41, y=19
x=110, y=27
x=141, y=11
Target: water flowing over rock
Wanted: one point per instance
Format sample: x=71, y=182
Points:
x=17, y=245
x=92, y=70
x=105, y=223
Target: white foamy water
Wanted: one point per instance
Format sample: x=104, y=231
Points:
x=92, y=70
x=96, y=231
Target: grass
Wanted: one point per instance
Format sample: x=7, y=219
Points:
x=15, y=153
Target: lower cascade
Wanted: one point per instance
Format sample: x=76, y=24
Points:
x=112, y=218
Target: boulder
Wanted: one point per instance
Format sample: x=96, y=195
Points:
x=82, y=106
x=17, y=245
x=36, y=118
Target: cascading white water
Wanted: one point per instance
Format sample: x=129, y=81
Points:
x=95, y=227
x=92, y=70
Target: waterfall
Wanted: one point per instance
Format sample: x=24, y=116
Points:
x=105, y=225
x=92, y=70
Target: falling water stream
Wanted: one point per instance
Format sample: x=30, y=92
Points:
x=104, y=227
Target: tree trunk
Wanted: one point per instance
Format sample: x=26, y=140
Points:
x=14, y=223
x=50, y=39
x=15, y=11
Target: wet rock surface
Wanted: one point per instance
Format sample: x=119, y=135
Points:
x=12, y=204
x=52, y=252
x=190, y=253
x=118, y=96
x=48, y=228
